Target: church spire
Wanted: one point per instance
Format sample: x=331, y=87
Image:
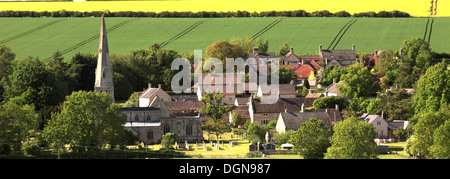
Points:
x=103, y=72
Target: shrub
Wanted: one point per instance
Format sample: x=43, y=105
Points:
x=30, y=148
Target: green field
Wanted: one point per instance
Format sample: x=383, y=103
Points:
x=40, y=37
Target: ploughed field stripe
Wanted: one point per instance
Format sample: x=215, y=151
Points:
x=31, y=31
x=94, y=37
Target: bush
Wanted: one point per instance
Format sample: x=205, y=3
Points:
x=253, y=154
x=30, y=148
x=168, y=140
x=5, y=149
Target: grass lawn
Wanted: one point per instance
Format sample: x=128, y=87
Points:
x=240, y=151
x=397, y=151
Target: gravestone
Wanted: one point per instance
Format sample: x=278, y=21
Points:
x=187, y=145
x=233, y=143
x=269, y=146
x=251, y=147
x=181, y=146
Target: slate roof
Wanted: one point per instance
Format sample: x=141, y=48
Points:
x=369, y=117
x=289, y=104
x=243, y=101
x=293, y=120
x=149, y=92
x=285, y=89
x=398, y=124
x=243, y=111
x=138, y=109
x=314, y=95
x=333, y=88
x=344, y=57
x=183, y=105
x=191, y=97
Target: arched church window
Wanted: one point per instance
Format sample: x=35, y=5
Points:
x=149, y=118
x=166, y=129
x=136, y=118
x=150, y=134
x=188, y=129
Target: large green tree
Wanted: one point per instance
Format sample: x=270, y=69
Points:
x=284, y=49
x=426, y=133
x=32, y=83
x=15, y=123
x=358, y=82
x=441, y=144
x=6, y=63
x=215, y=109
x=352, y=139
x=82, y=70
x=312, y=139
x=396, y=105
x=222, y=49
x=433, y=89
x=87, y=121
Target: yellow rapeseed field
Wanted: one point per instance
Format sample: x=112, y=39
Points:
x=413, y=7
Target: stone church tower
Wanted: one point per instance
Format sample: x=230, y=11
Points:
x=103, y=72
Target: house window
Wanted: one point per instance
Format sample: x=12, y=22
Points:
x=149, y=118
x=103, y=74
x=189, y=129
x=230, y=98
x=166, y=129
x=150, y=135
x=378, y=123
x=136, y=118
x=265, y=122
x=265, y=115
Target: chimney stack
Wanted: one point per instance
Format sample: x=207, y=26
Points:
x=334, y=80
x=337, y=107
x=353, y=47
x=159, y=86
x=292, y=49
x=382, y=114
x=320, y=51
x=149, y=85
x=255, y=50
x=375, y=54
x=401, y=53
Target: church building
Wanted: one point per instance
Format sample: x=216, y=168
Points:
x=151, y=121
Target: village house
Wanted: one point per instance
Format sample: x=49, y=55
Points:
x=385, y=130
x=285, y=91
x=264, y=113
x=397, y=124
x=293, y=120
x=379, y=124
x=151, y=96
x=333, y=90
x=290, y=58
x=338, y=57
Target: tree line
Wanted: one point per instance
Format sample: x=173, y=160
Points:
x=202, y=14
